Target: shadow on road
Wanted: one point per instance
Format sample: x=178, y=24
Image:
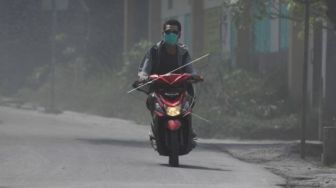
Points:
x=145, y=144
x=199, y=168
x=213, y=147
x=116, y=142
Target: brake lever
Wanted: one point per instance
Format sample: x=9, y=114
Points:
x=135, y=84
x=138, y=83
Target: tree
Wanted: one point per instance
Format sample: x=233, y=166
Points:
x=331, y=10
x=271, y=9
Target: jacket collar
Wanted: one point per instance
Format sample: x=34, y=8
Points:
x=181, y=48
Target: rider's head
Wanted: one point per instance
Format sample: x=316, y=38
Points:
x=171, y=31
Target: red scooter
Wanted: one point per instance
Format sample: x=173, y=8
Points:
x=171, y=107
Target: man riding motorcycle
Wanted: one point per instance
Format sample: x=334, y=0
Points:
x=164, y=57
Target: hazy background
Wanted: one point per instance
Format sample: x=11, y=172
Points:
x=83, y=55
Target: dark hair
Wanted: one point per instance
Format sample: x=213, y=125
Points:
x=172, y=22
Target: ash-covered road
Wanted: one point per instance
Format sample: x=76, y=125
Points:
x=73, y=150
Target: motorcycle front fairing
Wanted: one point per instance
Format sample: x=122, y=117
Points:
x=171, y=113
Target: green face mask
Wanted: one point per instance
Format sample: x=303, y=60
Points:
x=170, y=38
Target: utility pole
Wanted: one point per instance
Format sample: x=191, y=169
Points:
x=53, y=6
x=304, y=80
x=154, y=17
x=331, y=12
x=130, y=21
x=125, y=26
x=51, y=107
x=197, y=25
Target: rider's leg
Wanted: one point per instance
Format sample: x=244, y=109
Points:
x=191, y=92
x=150, y=107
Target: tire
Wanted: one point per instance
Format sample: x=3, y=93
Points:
x=174, y=150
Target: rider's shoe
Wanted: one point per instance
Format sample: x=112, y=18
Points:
x=152, y=140
x=193, y=135
x=194, y=139
x=193, y=143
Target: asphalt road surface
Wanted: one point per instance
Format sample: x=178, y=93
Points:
x=74, y=150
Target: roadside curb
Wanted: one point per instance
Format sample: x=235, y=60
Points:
x=281, y=158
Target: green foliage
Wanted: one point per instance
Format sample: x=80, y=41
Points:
x=100, y=92
x=246, y=12
x=247, y=126
x=244, y=104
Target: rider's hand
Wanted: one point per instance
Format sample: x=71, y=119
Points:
x=197, y=78
x=142, y=77
x=200, y=78
x=137, y=83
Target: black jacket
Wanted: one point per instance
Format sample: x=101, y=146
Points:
x=152, y=59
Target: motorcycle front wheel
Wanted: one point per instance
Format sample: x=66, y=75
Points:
x=174, y=149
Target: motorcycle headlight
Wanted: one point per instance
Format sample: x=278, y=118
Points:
x=173, y=111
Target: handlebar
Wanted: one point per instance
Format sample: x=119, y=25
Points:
x=196, y=78
x=191, y=79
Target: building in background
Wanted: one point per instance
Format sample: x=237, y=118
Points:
x=201, y=22
x=136, y=19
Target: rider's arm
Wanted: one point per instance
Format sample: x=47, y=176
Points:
x=187, y=59
x=145, y=67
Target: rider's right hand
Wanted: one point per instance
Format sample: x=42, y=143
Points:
x=142, y=77
x=138, y=83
